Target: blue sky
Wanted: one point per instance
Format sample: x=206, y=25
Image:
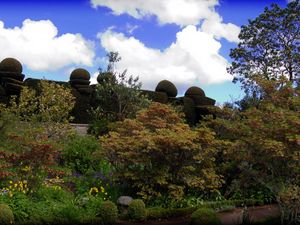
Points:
x=184, y=41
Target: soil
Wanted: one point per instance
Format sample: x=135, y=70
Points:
x=232, y=217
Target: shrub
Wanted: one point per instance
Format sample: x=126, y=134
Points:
x=167, y=87
x=99, y=127
x=157, y=154
x=52, y=104
x=205, y=216
x=78, y=151
x=11, y=65
x=137, y=210
x=289, y=202
x=6, y=215
x=108, y=212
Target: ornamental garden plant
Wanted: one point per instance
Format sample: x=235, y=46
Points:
x=245, y=153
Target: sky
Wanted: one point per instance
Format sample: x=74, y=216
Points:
x=184, y=41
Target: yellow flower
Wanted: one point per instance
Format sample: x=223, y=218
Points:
x=93, y=189
x=10, y=182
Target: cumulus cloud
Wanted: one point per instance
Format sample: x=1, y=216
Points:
x=180, y=12
x=193, y=57
x=37, y=45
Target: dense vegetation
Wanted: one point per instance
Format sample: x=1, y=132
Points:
x=246, y=154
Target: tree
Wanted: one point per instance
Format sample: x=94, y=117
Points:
x=117, y=96
x=269, y=47
x=158, y=154
x=265, y=138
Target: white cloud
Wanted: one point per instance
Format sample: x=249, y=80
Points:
x=180, y=12
x=183, y=12
x=193, y=57
x=37, y=45
x=214, y=26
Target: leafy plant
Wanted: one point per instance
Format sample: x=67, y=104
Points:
x=157, y=153
x=117, y=96
x=289, y=202
x=137, y=210
x=78, y=154
x=205, y=216
x=6, y=215
x=268, y=47
x=108, y=212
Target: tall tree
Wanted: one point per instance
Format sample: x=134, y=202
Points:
x=117, y=95
x=269, y=47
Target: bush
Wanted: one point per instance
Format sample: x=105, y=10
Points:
x=78, y=153
x=137, y=210
x=205, y=216
x=157, y=154
x=164, y=213
x=6, y=215
x=99, y=127
x=289, y=202
x=108, y=212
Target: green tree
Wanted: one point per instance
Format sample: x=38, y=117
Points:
x=158, y=154
x=269, y=47
x=117, y=96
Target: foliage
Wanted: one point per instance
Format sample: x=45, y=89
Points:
x=31, y=161
x=108, y=212
x=163, y=213
x=43, y=113
x=99, y=127
x=289, y=202
x=117, y=97
x=157, y=153
x=265, y=139
x=137, y=210
x=6, y=215
x=205, y=216
x=52, y=104
x=77, y=153
x=269, y=47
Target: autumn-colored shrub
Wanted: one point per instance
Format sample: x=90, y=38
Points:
x=157, y=154
x=31, y=161
x=265, y=139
